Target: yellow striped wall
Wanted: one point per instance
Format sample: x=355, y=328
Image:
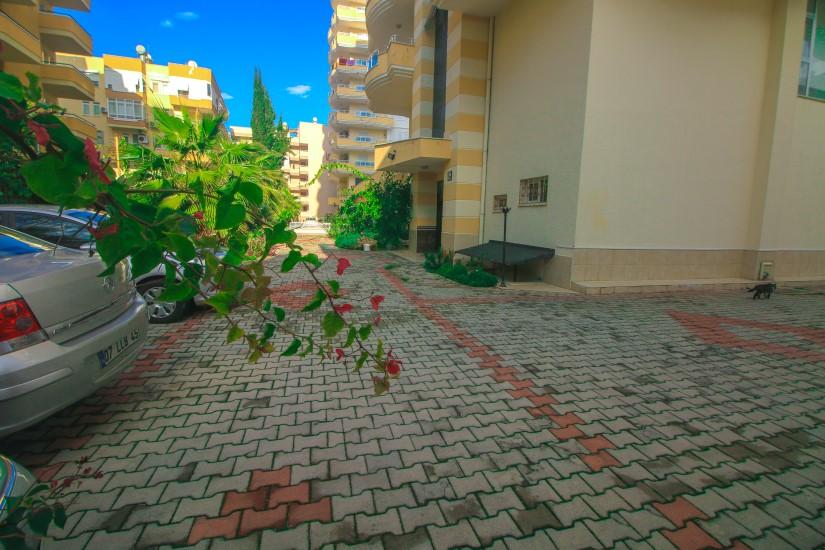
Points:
x=421, y=120
x=467, y=48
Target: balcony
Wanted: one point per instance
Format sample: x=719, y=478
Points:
x=413, y=155
x=348, y=44
x=386, y=18
x=77, y=5
x=342, y=119
x=343, y=71
x=62, y=33
x=19, y=44
x=364, y=167
x=348, y=18
x=389, y=80
x=79, y=126
x=126, y=123
x=483, y=8
x=66, y=81
x=342, y=95
x=354, y=144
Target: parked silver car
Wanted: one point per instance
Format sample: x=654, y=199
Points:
x=64, y=331
x=70, y=229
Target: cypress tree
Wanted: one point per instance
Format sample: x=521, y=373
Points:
x=263, y=115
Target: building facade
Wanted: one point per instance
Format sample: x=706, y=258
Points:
x=128, y=88
x=353, y=128
x=648, y=142
x=240, y=134
x=306, y=155
x=31, y=34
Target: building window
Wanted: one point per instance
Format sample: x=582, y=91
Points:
x=363, y=139
x=126, y=109
x=305, y=207
x=499, y=203
x=85, y=107
x=812, y=74
x=96, y=108
x=533, y=191
x=99, y=139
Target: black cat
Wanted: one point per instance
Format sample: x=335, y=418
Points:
x=763, y=289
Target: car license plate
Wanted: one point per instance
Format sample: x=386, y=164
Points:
x=109, y=354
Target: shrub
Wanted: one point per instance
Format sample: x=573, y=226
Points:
x=347, y=240
x=470, y=274
x=434, y=260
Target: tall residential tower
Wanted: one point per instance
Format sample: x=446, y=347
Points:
x=354, y=128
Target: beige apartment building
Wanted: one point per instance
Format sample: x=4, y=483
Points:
x=31, y=34
x=240, y=134
x=353, y=128
x=649, y=143
x=306, y=155
x=126, y=89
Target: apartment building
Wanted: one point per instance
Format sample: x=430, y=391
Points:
x=306, y=155
x=31, y=34
x=647, y=144
x=240, y=134
x=353, y=128
x=127, y=88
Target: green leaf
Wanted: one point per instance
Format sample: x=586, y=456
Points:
x=252, y=192
x=254, y=356
x=350, y=337
x=361, y=360
x=11, y=87
x=49, y=179
x=316, y=302
x=292, y=349
x=332, y=323
x=334, y=285
x=229, y=214
x=39, y=521
x=364, y=332
x=182, y=246
x=308, y=349
x=146, y=260
x=171, y=202
x=235, y=334
x=267, y=304
x=178, y=292
x=280, y=314
x=291, y=261
x=269, y=330
x=59, y=515
x=222, y=302
x=312, y=259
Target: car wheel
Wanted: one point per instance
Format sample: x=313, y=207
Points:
x=161, y=312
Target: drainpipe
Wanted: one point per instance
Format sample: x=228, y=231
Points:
x=487, y=102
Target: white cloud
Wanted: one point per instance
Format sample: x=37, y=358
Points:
x=301, y=90
x=167, y=24
x=187, y=15
x=227, y=96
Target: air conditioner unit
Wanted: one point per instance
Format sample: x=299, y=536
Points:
x=143, y=138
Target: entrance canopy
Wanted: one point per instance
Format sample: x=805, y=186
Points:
x=507, y=253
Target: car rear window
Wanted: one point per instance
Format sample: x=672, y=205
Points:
x=86, y=215
x=10, y=247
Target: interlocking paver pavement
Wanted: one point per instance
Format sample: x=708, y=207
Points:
x=520, y=420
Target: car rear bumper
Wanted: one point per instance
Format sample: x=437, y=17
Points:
x=62, y=374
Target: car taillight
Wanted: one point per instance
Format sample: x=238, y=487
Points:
x=18, y=326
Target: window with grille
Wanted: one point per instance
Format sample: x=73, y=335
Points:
x=126, y=109
x=533, y=191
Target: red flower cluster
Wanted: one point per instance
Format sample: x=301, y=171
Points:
x=93, y=158
x=376, y=301
x=40, y=133
x=339, y=353
x=343, y=308
x=392, y=365
x=198, y=215
x=343, y=264
x=103, y=231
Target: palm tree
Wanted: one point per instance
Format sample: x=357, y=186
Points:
x=196, y=155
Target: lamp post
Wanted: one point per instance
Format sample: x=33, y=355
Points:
x=505, y=210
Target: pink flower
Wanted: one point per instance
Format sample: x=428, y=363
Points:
x=93, y=158
x=377, y=320
x=343, y=264
x=343, y=308
x=198, y=215
x=393, y=367
x=376, y=301
x=40, y=133
x=339, y=353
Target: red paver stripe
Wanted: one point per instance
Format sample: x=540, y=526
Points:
x=234, y=500
x=208, y=528
x=600, y=460
x=570, y=432
x=596, y=444
x=691, y=537
x=567, y=420
x=293, y=493
x=680, y=511
x=267, y=478
x=253, y=520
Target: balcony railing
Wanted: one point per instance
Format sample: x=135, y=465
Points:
x=394, y=39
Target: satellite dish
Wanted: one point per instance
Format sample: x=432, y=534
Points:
x=140, y=49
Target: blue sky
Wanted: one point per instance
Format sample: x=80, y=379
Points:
x=287, y=39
